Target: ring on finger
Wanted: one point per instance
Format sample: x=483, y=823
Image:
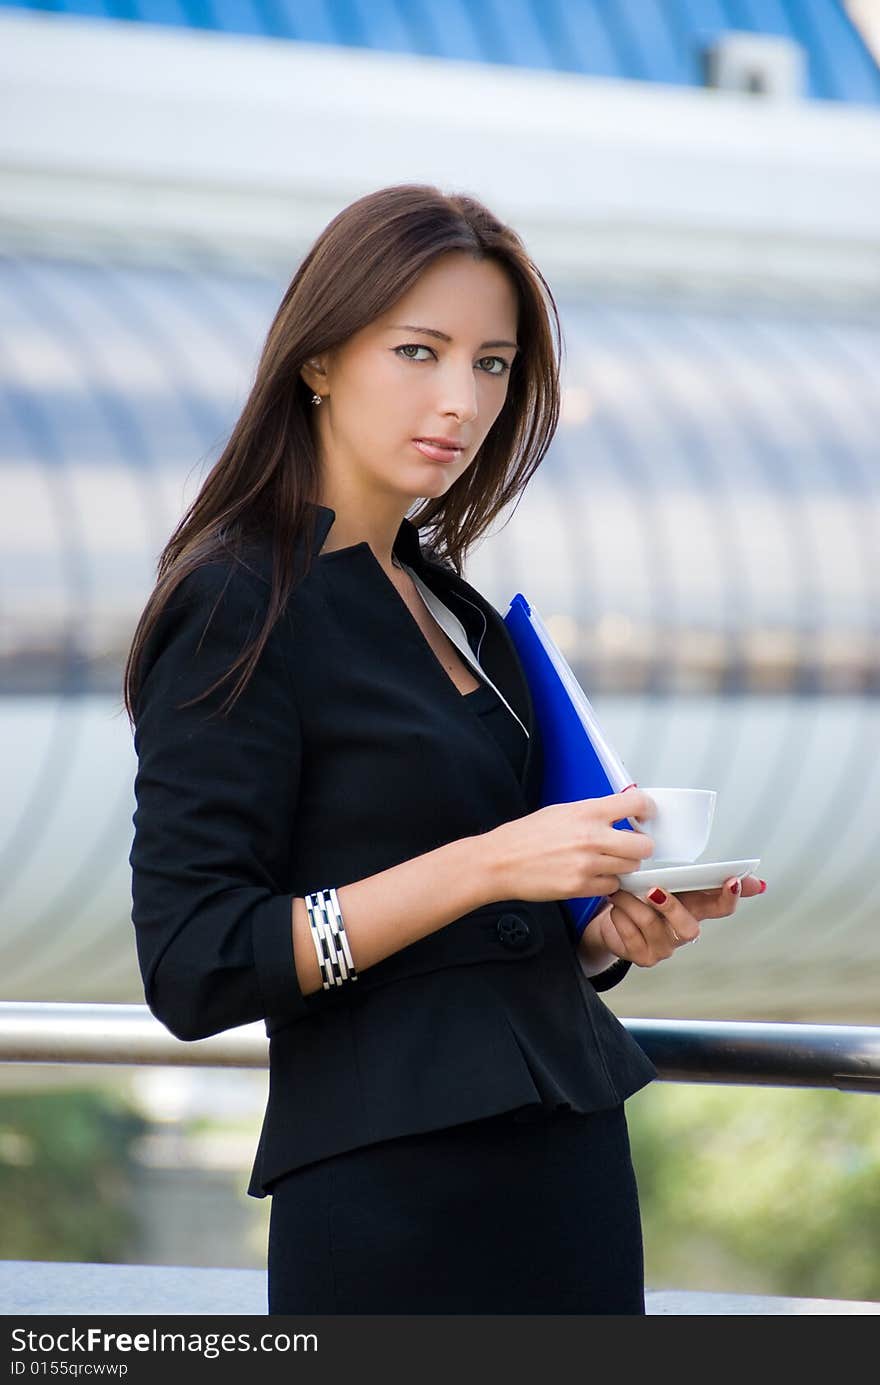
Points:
x=675, y=938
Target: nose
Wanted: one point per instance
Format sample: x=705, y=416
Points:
x=458, y=394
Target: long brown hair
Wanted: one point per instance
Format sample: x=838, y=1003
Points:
x=368, y=256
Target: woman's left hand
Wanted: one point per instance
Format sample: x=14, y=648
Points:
x=646, y=929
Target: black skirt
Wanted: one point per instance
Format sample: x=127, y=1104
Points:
x=498, y=1215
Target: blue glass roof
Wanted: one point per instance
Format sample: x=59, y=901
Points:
x=640, y=40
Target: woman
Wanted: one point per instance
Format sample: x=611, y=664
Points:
x=347, y=844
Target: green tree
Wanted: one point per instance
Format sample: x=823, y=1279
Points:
x=759, y=1190
x=65, y=1186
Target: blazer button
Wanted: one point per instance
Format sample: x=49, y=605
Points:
x=513, y=931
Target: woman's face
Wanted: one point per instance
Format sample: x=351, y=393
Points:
x=435, y=365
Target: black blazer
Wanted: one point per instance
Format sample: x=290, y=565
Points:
x=350, y=751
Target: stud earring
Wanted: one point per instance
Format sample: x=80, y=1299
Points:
x=316, y=399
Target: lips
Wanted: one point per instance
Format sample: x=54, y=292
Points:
x=436, y=452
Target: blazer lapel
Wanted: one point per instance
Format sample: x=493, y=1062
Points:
x=497, y=652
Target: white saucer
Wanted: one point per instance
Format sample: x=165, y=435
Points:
x=702, y=875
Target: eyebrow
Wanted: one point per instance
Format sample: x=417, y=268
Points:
x=441, y=336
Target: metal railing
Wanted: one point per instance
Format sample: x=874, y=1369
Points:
x=845, y=1057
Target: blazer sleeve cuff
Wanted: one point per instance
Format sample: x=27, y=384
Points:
x=611, y=976
x=274, y=962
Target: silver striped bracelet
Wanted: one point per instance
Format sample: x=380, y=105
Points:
x=329, y=937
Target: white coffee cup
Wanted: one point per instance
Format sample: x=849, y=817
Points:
x=680, y=828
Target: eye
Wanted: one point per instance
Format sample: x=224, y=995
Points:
x=413, y=346
x=501, y=362
x=417, y=346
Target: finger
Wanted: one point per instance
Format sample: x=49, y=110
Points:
x=683, y=925
x=632, y=802
x=727, y=898
x=662, y=932
x=604, y=885
x=744, y=887
x=643, y=915
x=718, y=903
x=638, y=948
x=626, y=856
x=752, y=885
x=613, y=939
x=626, y=848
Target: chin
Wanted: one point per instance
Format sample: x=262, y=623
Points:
x=430, y=486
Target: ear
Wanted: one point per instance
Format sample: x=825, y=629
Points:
x=314, y=372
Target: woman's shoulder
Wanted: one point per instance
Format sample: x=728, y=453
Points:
x=228, y=590
x=243, y=571
x=221, y=579
x=209, y=618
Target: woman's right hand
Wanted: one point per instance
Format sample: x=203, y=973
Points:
x=571, y=850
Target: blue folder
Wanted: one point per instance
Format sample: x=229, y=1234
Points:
x=579, y=761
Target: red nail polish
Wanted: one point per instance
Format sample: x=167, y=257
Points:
x=763, y=887
x=657, y=896
x=734, y=889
